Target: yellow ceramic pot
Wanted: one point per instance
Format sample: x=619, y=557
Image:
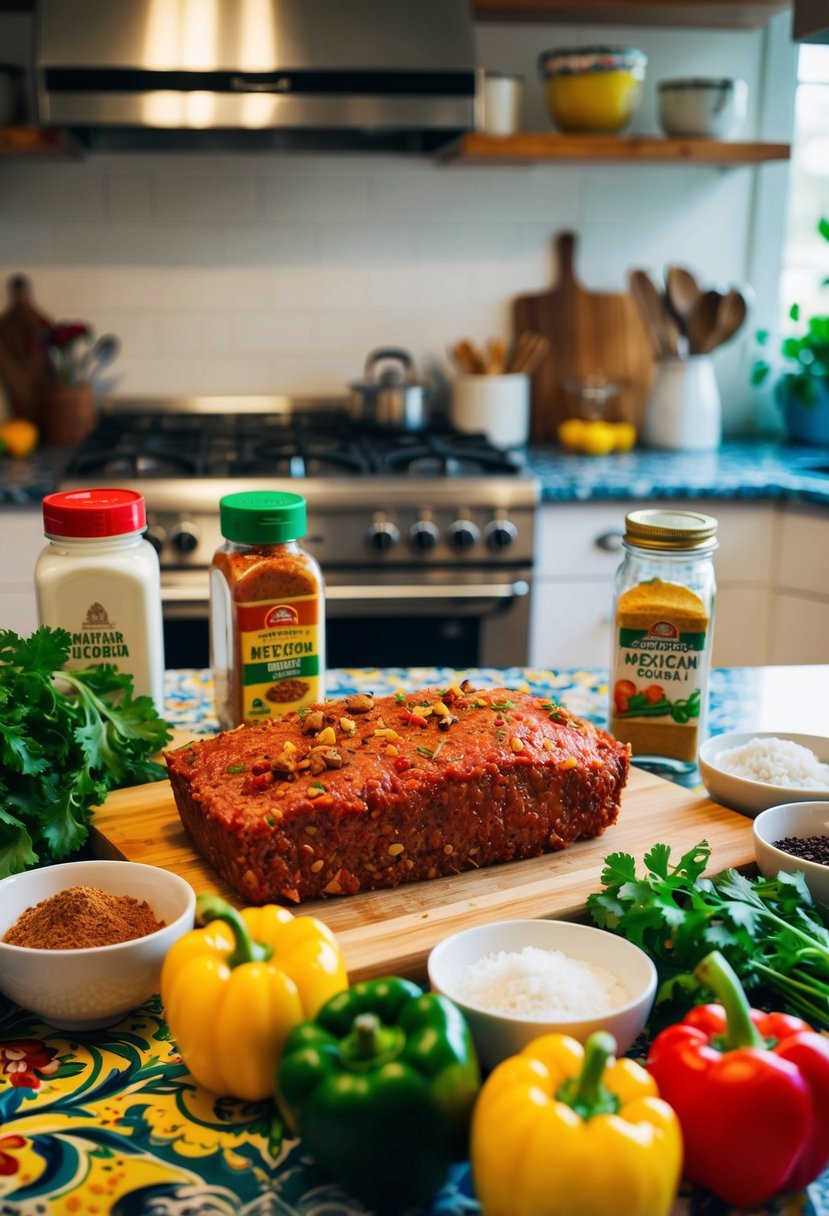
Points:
x=594, y=90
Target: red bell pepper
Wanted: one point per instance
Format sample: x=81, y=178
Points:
x=751, y=1091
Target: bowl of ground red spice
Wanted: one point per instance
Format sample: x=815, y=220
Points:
x=795, y=836
x=81, y=944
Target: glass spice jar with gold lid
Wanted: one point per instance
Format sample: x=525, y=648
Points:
x=663, y=616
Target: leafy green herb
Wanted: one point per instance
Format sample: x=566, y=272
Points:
x=66, y=739
x=235, y=768
x=400, y=698
x=270, y=821
x=425, y=751
x=503, y=705
x=767, y=928
x=317, y=785
x=437, y=750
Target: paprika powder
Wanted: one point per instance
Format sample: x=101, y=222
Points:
x=267, y=614
x=81, y=917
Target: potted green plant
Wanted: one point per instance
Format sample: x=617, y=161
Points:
x=802, y=390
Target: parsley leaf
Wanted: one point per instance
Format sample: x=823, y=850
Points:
x=768, y=929
x=66, y=739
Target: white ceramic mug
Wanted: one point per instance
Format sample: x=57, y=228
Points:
x=497, y=405
x=500, y=103
x=683, y=409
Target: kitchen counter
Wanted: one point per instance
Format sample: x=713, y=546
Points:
x=739, y=469
x=111, y=1122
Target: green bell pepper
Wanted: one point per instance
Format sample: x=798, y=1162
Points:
x=380, y=1087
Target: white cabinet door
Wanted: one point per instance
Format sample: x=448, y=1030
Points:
x=800, y=610
x=21, y=540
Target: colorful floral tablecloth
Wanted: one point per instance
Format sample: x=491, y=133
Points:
x=110, y=1123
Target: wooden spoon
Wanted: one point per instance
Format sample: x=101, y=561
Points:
x=651, y=306
x=683, y=292
x=731, y=314
x=702, y=321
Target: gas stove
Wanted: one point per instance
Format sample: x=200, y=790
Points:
x=421, y=523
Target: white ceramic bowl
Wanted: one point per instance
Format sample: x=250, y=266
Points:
x=751, y=797
x=89, y=988
x=793, y=819
x=499, y=1035
x=702, y=108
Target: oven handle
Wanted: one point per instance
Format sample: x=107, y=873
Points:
x=465, y=591
x=455, y=591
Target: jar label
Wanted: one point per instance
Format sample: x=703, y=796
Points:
x=279, y=655
x=659, y=679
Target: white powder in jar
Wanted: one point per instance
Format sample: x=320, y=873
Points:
x=538, y=984
x=776, y=762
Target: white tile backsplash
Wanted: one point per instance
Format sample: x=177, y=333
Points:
x=280, y=272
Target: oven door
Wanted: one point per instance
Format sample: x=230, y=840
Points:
x=405, y=618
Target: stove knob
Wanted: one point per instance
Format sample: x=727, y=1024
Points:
x=156, y=536
x=383, y=535
x=424, y=535
x=500, y=533
x=184, y=538
x=462, y=534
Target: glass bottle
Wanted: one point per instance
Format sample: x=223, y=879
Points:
x=99, y=579
x=267, y=610
x=663, y=615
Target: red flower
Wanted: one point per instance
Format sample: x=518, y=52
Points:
x=25, y=1061
x=64, y=332
x=8, y=1163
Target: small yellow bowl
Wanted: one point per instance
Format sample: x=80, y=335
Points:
x=593, y=90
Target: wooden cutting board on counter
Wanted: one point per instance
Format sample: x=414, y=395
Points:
x=392, y=932
x=591, y=335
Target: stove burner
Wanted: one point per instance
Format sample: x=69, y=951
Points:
x=297, y=445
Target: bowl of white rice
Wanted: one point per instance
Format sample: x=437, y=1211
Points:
x=515, y=980
x=795, y=837
x=753, y=771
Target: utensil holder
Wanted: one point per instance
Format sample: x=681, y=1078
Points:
x=67, y=413
x=497, y=405
x=683, y=409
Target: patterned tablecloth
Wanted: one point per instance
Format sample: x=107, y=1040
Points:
x=110, y=1123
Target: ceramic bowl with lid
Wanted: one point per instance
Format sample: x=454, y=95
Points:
x=84, y=989
x=592, y=89
x=712, y=108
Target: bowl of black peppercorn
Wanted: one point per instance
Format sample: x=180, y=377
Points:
x=795, y=837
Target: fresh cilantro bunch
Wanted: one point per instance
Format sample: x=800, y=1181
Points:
x=767, y=928
x=66, y=739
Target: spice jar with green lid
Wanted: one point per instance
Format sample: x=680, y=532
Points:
x=663, y=616
x=267, y=610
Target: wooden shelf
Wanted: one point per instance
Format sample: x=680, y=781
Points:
x=540, y=148
x=711, y=14
x=38, y=143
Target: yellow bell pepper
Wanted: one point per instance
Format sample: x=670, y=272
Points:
x=564, y=1130
x=234, y=989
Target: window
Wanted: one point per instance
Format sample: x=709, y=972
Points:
x=806, y=255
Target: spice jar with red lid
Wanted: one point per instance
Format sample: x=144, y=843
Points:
x=99, y=579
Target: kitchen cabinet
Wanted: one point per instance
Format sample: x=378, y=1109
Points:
x=21, y=539
x=800, y=603
x=579, y=550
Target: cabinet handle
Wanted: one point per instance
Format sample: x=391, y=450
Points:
x=611, y=542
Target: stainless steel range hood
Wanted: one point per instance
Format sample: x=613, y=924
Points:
x=248, y=74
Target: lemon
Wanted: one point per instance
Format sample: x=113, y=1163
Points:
x=571, y=434
x=19, y=436
x=625, y=436
x=599, y=438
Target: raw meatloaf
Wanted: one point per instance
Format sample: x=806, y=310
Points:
x=362, y=793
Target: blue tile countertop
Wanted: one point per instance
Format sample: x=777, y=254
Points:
x=739, y=469
x=743, y=470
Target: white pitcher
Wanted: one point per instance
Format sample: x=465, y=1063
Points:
x=683, y=410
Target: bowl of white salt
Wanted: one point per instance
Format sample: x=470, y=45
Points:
x=516, y=980
x=753, y=771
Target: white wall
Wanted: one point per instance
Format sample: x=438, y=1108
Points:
x=278, y=273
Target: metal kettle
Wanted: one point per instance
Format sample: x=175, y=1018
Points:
x=390, y=394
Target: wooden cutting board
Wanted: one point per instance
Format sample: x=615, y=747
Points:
x=392, y=932
x=591, y=334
